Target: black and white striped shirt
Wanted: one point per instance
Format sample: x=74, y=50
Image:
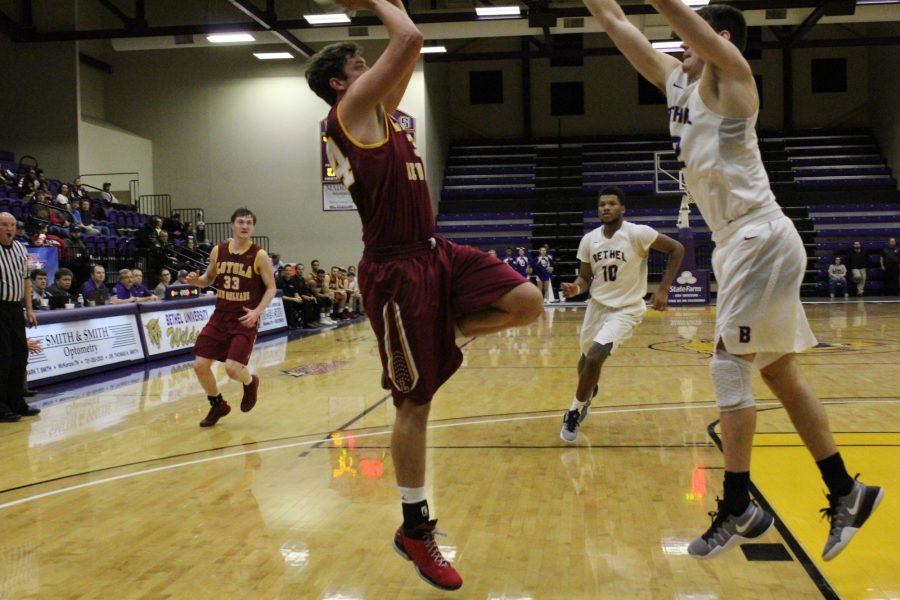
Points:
x=13, y=271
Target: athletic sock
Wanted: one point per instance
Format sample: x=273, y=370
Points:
x=415, y=508
x=577, y=404
x=737, y=492
x=213, y=400
x=835, y=475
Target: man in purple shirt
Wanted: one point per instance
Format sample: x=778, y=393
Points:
x=124, y=291
x=94, y=290
x=137, y=286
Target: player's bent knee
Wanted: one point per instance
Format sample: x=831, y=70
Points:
x=233, y=371
x=732, y=381
x=598, y=353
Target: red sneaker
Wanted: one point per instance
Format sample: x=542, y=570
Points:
x=249, y=399
x=426, y=556
x=216, y=412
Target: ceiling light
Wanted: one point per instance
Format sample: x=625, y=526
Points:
x=498, y=11
x=230, y=38
x=329, y=19
x=432, y=49
x=696, y=2
x=668, y=47
x=273, y=55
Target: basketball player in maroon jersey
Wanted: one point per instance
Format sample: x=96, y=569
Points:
x=242, y=272
x=419, y=289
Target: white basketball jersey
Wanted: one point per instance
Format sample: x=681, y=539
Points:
x=619, y=263
x=720, y=159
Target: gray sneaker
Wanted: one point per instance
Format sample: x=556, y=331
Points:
x=573, y=419
x=847, y=514
x=728, y=531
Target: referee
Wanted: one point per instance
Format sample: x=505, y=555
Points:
x=15, y=287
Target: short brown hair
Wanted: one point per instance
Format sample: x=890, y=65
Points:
x=327, y=63
x=722, y=17
x=243, y=212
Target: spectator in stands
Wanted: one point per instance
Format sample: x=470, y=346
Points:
x=97, y=211
x=78, y=252
x=162, y=254
x=7, y=177
x=94, y=289
x=79, y=192
x=62, y=285
x=890, y=265
x=165, y=278
x=149, y=233
x=137, y=286
x=857, y=262
x=277, y=266
x=21, y=236
x=173, y=225
x=82, y=214
x=293, y=303
x=40, y=295
x=42, y=237
x=200, y=236
x=837, y=277
x=191, y=255
x=107, y=195
x=124, y=291
x=27, y=185
x=492, y=252
x=188, y=231
x=62, y=198
x=182, y=277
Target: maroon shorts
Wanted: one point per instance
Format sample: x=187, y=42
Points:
x=413, y=298
x=225, y=338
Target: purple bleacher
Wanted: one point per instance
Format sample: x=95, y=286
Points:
x=489, y=169
x=467, y=180
x=845, y=219
x=481, y=227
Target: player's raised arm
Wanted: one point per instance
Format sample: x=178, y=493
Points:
x=704, y=41
x=382, y=82
x=392, y=99
x=654, y=66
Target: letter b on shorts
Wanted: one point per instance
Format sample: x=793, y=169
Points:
x=744, y=335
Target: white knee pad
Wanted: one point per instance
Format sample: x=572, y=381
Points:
x=732, y=381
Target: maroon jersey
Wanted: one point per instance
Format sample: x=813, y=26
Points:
x=238, y=280
x=386, y=181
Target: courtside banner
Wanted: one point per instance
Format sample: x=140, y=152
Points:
x=84, y=345
x=176, y=326
x=273, y=318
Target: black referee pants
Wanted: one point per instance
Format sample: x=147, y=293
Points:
x=13, y=357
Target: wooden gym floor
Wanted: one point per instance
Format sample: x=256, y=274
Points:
x=115, y=492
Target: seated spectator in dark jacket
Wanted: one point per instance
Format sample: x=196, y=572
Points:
x=77, y=252
x=27, y=185
x=148, y=234
x=94, y=290
x=39, y=289
x=98, y=211
x=62, y=285
x=286, y=282
x=174, y=225
x=137, y=287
